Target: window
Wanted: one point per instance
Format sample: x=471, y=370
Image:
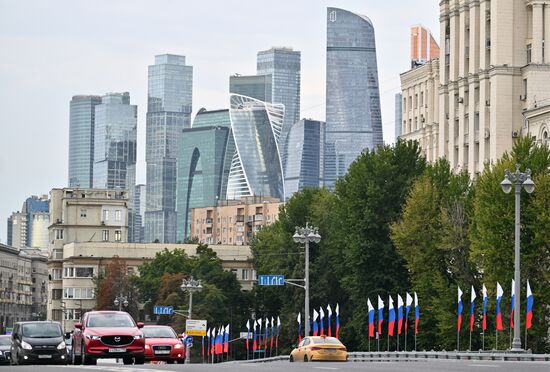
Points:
x=56, y=294
x=68, y=292
x=79, y=293
x=84, y=272
x=416, y=100
x=529, y=53
x=83, y=213
x=56, y=274
x=105, y=235
x=118, y=215
x=58, y=234
x=105, y=215
x=118, y=235
x=421, y=99
x=68, y=272
x=245, y=274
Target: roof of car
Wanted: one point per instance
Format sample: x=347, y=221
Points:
x=106, y=312
x=156, y=326
x=38, y=321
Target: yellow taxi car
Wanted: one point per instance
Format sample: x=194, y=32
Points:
x=319, y=348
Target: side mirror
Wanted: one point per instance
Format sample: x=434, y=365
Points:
x=181, y=336
x=140, y=324
x=78, y=325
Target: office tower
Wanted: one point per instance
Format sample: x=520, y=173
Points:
x=168, y=113
x=139, y=211
x=488, y=87
x=304, y=154
x=17, y=230
x=353, y=120
x=204, y=160
x=424, y=48
x=29, y=228
x=398, y=115
x=255, y=86
x=256, y=168
x=81, y=140
x=283, y=64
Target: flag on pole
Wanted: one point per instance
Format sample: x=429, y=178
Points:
x=266, y=333
x=299, y=320
x=278, y=330
x=529, y=308
x=202, y=347
x=337, y=310
x=408, y=303
x=472, y=299
x=371, y=318
x=416, y=314
x=221, y=334
x=329, y=315
x=459, y=322
x=485, y=300
x=247, y=334
x=315, y=330
x=208, y=341
x=512, y=303
x=322, y=321
x=399, y=314
x=213, y=341
x=391, y=317
x=272, y=333
x=226, y=340
x=380, y=315
x=500, y=292
x=254, y=337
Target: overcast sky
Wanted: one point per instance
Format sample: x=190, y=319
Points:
x=52, y=50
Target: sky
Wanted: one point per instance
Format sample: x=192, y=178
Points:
x=53, y=50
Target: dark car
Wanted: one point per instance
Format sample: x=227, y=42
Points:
x=5, y=345
x=38, y=342
x=108, y=334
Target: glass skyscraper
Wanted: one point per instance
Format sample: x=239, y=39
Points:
x=168, y=113
x=256, y=167
x=255, y=86
x=81, y=140
x=29, y=228
x=304, y=154
x=204, y=160
x=353, y=119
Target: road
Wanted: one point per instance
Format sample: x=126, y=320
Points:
x=416, y=366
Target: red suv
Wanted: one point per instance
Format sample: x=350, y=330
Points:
x=108, y=334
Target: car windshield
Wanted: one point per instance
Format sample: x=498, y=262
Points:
x=41, y=330
x=5, y=341
x=325, y=340
x=110, y=320
x=158, y=332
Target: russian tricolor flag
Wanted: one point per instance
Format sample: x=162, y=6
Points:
x=329, y=326
x=380, y=315
x=299, y=320
x=459, y=321
x=391, y=317
x=337, y=311
x=371, y=318
x=416, y=314
x=322, y=321
x=529, y=309
x=485, y=300
x=472, y=299
x=226, y=339
x=500, y=292
x=399, y=314
x=408, y=303
x=512, y=305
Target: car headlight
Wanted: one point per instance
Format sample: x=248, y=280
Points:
x=1, y=353
x=26, y=345
x=138, y=337
x=147, y=347
x=93, y=337
x=178, y=346
x=62, y=345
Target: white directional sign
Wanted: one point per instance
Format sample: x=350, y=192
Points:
x=246, y=335
x=195, y=327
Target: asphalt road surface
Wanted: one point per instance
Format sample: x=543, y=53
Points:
x=416, y=366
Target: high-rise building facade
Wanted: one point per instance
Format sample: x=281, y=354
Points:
x=353, y=119
x=256, y=167
x=81, y=140
x=304, y=154
x=424, y=48
x=29, y=228
x=204, y=161
x=168, y=113
x=255, y=86
x=492, y=74
x=139, y=212
x=398, y=115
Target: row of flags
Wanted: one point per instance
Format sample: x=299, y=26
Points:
x=498, y=316
x=403, y=309
x=263, y=339
x=217, y=341
x=319, y=326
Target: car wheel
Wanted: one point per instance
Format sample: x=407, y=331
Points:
x=139, y=359
x=305, y=359
x=180, y=361
x=128, y=360
x=291, y=359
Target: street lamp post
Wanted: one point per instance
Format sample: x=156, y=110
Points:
x=305, y=235
x=119, y=301
x=190, y=285
x=517, y=179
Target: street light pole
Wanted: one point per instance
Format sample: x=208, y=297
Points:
x=119, y=301
x=305, y=235
x=517, y=179
x=190, y=285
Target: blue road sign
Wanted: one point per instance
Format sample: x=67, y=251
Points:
x=189, y=341
x=271, y=279
x=163, y=310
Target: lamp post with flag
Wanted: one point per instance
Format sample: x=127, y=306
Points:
x=512, y=299
x=517, y=179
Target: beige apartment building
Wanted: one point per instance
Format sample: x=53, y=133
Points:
x=494, y=74
x=233, y=222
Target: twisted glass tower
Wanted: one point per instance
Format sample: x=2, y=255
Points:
x=256, y=167
x=353, y=120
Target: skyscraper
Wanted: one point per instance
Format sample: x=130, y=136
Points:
x=139, y=211
x=168, y=113
x=204, y=161
x=304, y=154
x=255, y=86
x=29, y=228
x=115, y=143
x=256, y=167
x=81, y=140
x=353, y=119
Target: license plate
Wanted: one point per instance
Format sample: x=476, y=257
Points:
x=117, y=350
x=162, y=351
x=330, y=350
x=44, y=356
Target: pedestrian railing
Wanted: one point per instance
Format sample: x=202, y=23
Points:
x=407, y=356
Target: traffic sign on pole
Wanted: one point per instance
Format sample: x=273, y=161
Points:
x=271, y=280
x=195, y=327
x=163, y=310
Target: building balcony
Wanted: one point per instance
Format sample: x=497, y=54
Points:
x=239, y=218
x=259, y=217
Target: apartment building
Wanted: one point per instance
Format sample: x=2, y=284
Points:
x=493, y=74
x=233, y=222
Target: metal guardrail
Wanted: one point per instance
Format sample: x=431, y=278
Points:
x=407, y=356
x=264, y=360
